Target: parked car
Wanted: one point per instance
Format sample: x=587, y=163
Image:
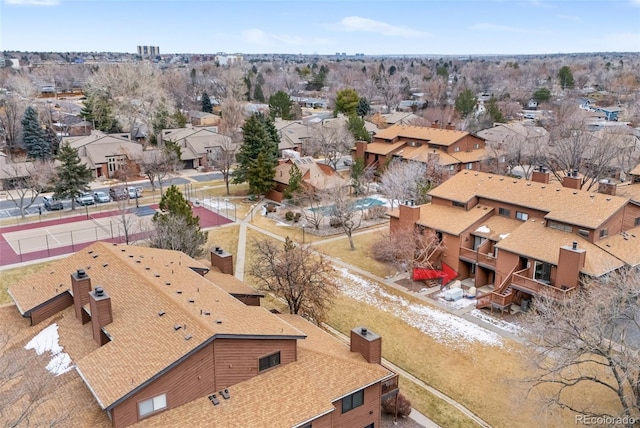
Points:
x=118, y=193
x=101, y=197
x=51, y=203
x=134, y=192
x=85, y=199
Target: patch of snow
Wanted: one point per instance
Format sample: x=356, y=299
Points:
x=443, y=327
x=47, y=341
x=457, y=304
x=483, y=229
x=504, y=235
x=216, y=204
x=499, y=323
x=279, y=223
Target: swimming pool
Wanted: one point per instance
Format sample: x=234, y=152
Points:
x=358, y=204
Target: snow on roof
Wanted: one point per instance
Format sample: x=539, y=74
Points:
x=48, y=341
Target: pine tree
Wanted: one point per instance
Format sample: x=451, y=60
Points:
x=258, y=155
x=98, y=110
x=566, y=77
x=206, y=103
x=295, y=182
x=258, y=95
x=280, y=105
x=72, y=176
x=52, y=139
x=364, y=108
x=176, y=226
x=34, y=137
x=466, y=102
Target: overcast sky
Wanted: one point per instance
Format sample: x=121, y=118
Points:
x=372, y=27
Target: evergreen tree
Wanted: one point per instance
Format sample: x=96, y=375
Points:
x=258, y=154
x=364, y=108
x=34, y=137
x=347, y=101
x=542, y=94
x=280, y=105
x=258, y=95
x=72, y=176
x=261, y=173
x=295, y=182
x=52, y=139
x=356, y=126
x=176, y=226
x=494, y=111
x=98, y=110
x=466, y=102
x=207, y=107
x=566, y=77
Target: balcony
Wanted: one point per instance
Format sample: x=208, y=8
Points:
x=486, y=260
x=521, y=281
x=390, y=387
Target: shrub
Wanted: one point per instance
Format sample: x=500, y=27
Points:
x=288, y=215
x=296, y=217
x=335, y=222
x=404, y=406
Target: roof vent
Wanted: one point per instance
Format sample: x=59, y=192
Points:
x=80, y=273
x=99, y=292
x=225, y=394
x=179, y=291
x=161, y=313
x=187, y=337
x=167, y=283
x=105, y=265
x=95, y=256
x=363, y=331
x=191, y=301
x=218, y=321
x=214, y=399
x=177, y=327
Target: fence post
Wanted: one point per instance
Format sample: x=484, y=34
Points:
x=111, y=228
x=72, y=246
x=20, y=249
x=96, y=230
x=46, y=237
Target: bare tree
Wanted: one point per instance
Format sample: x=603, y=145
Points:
x=11, y=112
x=314, y=214
x=330, y=141
x=590, y=340
x=405, y=181
x=230, y=127
x=345, y=215
x=27, y=180
x=158, y=164
x=408, y=248
x=297, y=275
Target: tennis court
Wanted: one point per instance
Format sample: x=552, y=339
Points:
x=78, y=232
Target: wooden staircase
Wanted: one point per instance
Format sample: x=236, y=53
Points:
x=501, y=297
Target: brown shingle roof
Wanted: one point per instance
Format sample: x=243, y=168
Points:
x=450, y=219
x=499, y=227
x=562, y=204
x=142, y=282
x=542, y=243
x=325, y=371
x=443, y=137
x=383, y=148
x=625, y=246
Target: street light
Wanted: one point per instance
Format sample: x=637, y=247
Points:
x=303, y=226
x=226, y=207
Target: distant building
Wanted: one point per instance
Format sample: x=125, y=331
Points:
x=148, y=51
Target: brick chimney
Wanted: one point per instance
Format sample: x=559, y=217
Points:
x=570, y=261
x=541, y=175
x=101, y=314
x=450, y=126
x=409, y=215
x=367, y=343
x=435, y=124
x=80, y=288
x=361, y=148
x=572, y=180
x=607, y=187
x=222, y=260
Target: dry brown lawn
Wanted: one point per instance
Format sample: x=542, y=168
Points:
x=361, y=256
x=224, y=237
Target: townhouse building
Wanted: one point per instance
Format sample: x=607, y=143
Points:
x=513, y=239
x=158, y=339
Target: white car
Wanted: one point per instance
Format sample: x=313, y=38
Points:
x=134, y=192
x=101, y=197
x=85, y=199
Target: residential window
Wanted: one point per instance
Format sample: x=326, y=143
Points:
x=439, y=236
x=477, y=241
x=456, y=149
x=470, y=165
x=504, y=212
x=459, y=204
x=560, y=226
x=270, y=361
x=583, y=232
x=352, y=401
x=114, y=163
x=476, y=146
x=637, y=222
x=152, y=405
x=542, y=272
x=604, y=233
x=451, y=167
x=522, y=216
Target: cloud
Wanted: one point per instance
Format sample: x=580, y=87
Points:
x=357, y=23
x=485, y=26
x=34, y=2
x=635, y=3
